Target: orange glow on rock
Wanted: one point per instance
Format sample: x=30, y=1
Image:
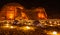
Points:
x=41, y=13
x=23, y=15
x=21, y=7
x=11, y=16
x=11, y=12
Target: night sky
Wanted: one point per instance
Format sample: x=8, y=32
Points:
x=52, y=7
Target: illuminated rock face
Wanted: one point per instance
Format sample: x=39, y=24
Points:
x=11, y=11
x=23, y=16
x=16, y=11
x=41, y=14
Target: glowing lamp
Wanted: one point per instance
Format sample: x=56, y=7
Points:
x=54, y=33
x=25, y=28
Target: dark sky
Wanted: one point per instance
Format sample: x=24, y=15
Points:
x=52, y=7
